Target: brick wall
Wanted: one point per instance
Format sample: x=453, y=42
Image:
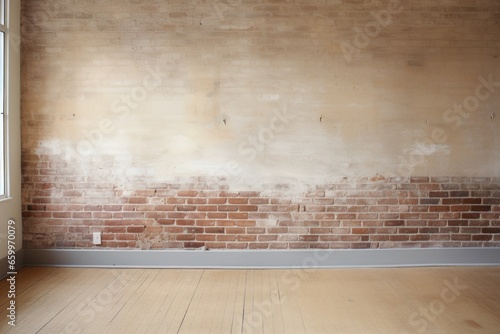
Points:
x=62, y=210
x=261, y=124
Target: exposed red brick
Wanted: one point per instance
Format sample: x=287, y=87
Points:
x=440, y=208
x=394, y=223
x=237, y=215
x=246, y=238
x=491, y=230
x=187, y=193
x=196, y=201
x=137, y=200
x=481, y=208
x=135, y=229
x=184, y=222
x=421, y=179
x=238, y=200
x=227, y=208
x=381, y=214
x=470, y=215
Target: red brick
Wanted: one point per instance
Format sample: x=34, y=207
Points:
x=185, y=208
x=245, y=223
x=247, y=238
x=388, y=216
x=197, y=201
x=125, y=236
x=206, y=208
x=187, y=193
x=387, y=201
x=361, y=230
x=394, y=223
x=64, y=215
x=176, y=201
x=215, y=230
x=472, y=201
x=258, y=201
x=470, y=215
x=237, y=245
x=176, y=214
x=459, y=194
x=135, y=229
x=235, y=230
x=491, y=230
x=216, y=215
x=447, y=201
x=217, y=200
x=419, y=237
x=457, y=208
x=440, y=208
x=184, y=222
x=205, y=237
x=247, y=208
x=480, y=208
x=482, y=237
x=205, y=222
x=112, y=207
x=438, y=194
x=196, y=215
x=227, y=208
x=185, y=237
x=267, y=237
x=256, y=230
x=137, y=200
x=237, y=200
x=237, y=215
x=408, y=230
x=458, y=222
x=341, y=216
x=79, y=214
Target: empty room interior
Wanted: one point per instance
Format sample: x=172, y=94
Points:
x=250, y=166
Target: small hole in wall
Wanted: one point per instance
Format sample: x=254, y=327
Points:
x=321, y=118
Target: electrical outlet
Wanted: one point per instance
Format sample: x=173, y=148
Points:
x=97, y=238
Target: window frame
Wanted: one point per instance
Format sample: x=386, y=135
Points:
x=4, y=114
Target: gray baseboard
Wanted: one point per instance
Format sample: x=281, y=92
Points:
x=263, y=259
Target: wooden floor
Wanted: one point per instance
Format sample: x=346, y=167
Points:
x=403, y=300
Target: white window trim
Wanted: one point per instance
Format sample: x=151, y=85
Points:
x=5, y=140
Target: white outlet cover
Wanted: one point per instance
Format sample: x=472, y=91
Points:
x=97, y=238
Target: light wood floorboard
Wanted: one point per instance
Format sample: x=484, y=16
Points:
x=374, y=301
